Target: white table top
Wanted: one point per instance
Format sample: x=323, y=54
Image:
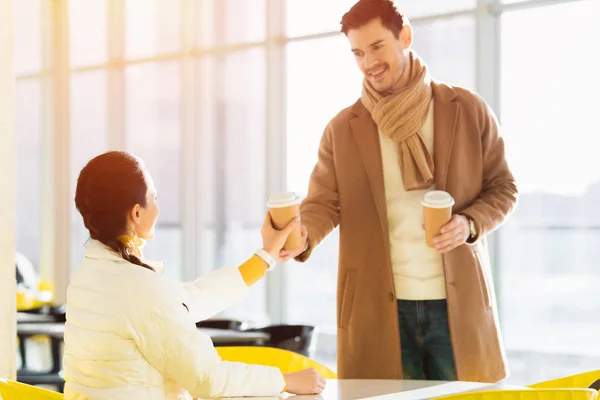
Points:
x=31, y=317
x=54, y=329
x=399, y=389
x=355, y=389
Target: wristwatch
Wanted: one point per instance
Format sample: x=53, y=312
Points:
x=472, y=229
x=266, y=257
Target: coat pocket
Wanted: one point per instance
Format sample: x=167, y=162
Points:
x=349, y=287
x=484, y=284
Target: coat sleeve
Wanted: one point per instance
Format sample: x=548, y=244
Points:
x=499, y=194
x=168, y=339
x=320, y=210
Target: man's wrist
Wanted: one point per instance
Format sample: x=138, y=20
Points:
x=306, y=245
x=472, y=229
x=305, y=249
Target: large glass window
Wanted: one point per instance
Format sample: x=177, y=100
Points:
x=28, y=132
x=28, y=36
x=548, y=249
x=151, y=27
x=88, y=33
x=415, y=8
x=153, y=132
x=308, y=17
x=323, y=79
x=226, y=22
x=88, y=139
x=233, y=164
x=448, y=47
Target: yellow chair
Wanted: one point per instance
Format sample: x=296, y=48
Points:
x=11, y=390
x=26, y=301
x=579, y=381
x=32, y=299
x=286, y=361
x=526, y=394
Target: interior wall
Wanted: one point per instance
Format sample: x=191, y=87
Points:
x=7, y=193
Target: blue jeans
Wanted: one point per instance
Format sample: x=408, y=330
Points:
x=425, y=339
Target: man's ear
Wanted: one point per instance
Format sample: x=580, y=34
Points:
x=406, y=36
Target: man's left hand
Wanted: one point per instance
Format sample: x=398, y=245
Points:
x=453, y=234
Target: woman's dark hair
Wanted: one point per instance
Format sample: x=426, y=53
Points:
x=107, y=189
x=367, y=10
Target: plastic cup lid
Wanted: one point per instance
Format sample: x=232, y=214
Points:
x=437, y=199
x=283, y=200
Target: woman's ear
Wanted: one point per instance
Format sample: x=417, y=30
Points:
x=134, y=215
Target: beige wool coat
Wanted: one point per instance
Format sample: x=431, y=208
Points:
x=347, y=189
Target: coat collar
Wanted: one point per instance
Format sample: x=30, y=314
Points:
x=97, y=250
x=364, y=129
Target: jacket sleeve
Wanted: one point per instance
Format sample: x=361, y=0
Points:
x=169, y=340
x=210, y=294
x=320, y=210
x=499, y=194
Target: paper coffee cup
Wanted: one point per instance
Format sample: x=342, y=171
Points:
x=437, y=212
x=284, y=208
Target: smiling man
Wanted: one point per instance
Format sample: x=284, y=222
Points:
x=406, y=310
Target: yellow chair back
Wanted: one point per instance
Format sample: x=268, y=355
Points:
x=286, y=361
x=579, y=381
x=526, y=394
x=11, y=390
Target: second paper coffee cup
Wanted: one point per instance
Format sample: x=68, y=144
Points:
x=437, y=212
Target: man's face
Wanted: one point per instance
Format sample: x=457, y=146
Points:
x=380, y=55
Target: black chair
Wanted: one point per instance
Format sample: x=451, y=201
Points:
x=595, y=385
x=54, y=375
x=51, y=377
x=296, y=338
x=229, y=324
x=57, y=313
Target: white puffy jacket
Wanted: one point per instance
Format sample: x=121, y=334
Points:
x=128, y=335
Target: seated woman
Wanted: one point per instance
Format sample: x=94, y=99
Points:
x=130, y=332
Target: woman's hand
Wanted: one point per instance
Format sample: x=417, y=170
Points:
x=307, y=381
x=273, y=240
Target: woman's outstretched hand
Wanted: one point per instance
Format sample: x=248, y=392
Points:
x=273, y=239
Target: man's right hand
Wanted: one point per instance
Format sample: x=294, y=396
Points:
x=286, y=255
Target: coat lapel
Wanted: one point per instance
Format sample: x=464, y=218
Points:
x=367, y=138
x=445, y=119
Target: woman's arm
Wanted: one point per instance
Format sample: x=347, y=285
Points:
x=209, y=295
x=169, y=340
x=213, y=293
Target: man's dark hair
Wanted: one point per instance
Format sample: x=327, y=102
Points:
x=367, y=10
